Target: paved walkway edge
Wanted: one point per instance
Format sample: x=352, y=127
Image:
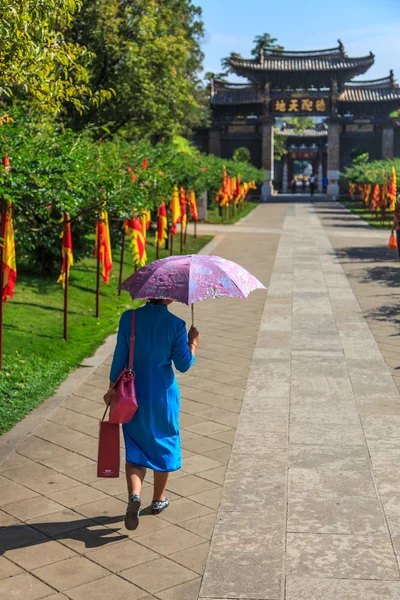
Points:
x=10, y=441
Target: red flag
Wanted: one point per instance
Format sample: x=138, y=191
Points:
x=9, y=264
x=134, y=229
x=182, y=202
x=103, y=236
x=193, y=205
x=376, y=197
x=66, y=250
x=162, y=226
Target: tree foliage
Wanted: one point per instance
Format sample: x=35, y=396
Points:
x=300, y=123
x=242, y=154
x=378, y=171
x=265, y=42
x=54, y=170
x=37, y=62
x=149, y=53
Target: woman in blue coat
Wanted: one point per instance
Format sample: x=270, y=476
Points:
x=152, y=437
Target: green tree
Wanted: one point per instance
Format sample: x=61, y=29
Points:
x=300, y=123
x=149, y=53
x=242, y=154
x=37, y=62
x=265, y=42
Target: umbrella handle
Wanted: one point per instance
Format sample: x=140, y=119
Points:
x=192, y=315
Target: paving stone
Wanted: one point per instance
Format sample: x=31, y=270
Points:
x=338, y=515
x=185, y=591
x=197, y=464
x=70, y=573
x=91, y=536
x=242, y=575
x=158, y=575
x=23, y=587
x=105, y=588
x=307, y=456
x=38, y=449
x=193, y=558
x=121, y=556
x=201, y=526
x=327, y=483
x=305, y=588
x=10, y=491
x=191, y=484
x=15, y=536
x=341, y=556
x=169, y=540
x=8, y=568
x=77, y=496
x=39, y=554
x=61, y=522
x=102, y=510
x=185, y=509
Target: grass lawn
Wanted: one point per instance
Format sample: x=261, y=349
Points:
x=36, y=358
x=359, y=209
x=213, y=215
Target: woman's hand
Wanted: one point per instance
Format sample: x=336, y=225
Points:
x=194, y=336
x=109, y=396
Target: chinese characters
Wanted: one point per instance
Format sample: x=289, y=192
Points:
x=299, y=105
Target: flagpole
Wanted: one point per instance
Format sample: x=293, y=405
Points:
x=172, y=245
x=195, y=229
x=157, y=250
x=181, y=237
x=66, y=274
x=98, y=272
x=121, y=266
x=66, y=297
x=2, y=232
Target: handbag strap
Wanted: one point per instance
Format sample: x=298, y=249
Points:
x=132, y=342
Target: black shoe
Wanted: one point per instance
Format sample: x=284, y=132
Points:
x=133, y=513
x=158, y=506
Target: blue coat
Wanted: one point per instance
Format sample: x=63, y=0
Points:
x=152, y=437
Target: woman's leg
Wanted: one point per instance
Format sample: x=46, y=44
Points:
x=160, y=483
x=134, y=478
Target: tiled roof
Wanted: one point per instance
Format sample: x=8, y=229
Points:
x=376, y=90
x=333, y=59
x=232, y=94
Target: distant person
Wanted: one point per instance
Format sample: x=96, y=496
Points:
x=325, y=182
x=312, y=185
x=396, y=224
x=304, y=185
x=293, y=185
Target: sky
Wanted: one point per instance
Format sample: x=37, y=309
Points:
x=362, y=26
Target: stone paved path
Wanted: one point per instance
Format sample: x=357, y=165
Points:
x=304, y=506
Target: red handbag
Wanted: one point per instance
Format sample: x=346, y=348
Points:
x=108, y=460
x=123, y=395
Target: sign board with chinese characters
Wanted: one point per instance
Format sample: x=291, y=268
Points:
x=303, y=155
x=300, y=106
x=242, y=129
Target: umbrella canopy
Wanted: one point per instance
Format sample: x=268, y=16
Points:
x=190, y=279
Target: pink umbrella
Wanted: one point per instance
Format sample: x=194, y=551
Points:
x=191, y=278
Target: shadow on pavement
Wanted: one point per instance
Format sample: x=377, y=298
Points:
x=88, y=531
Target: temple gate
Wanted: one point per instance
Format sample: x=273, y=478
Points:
x=317, y=83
